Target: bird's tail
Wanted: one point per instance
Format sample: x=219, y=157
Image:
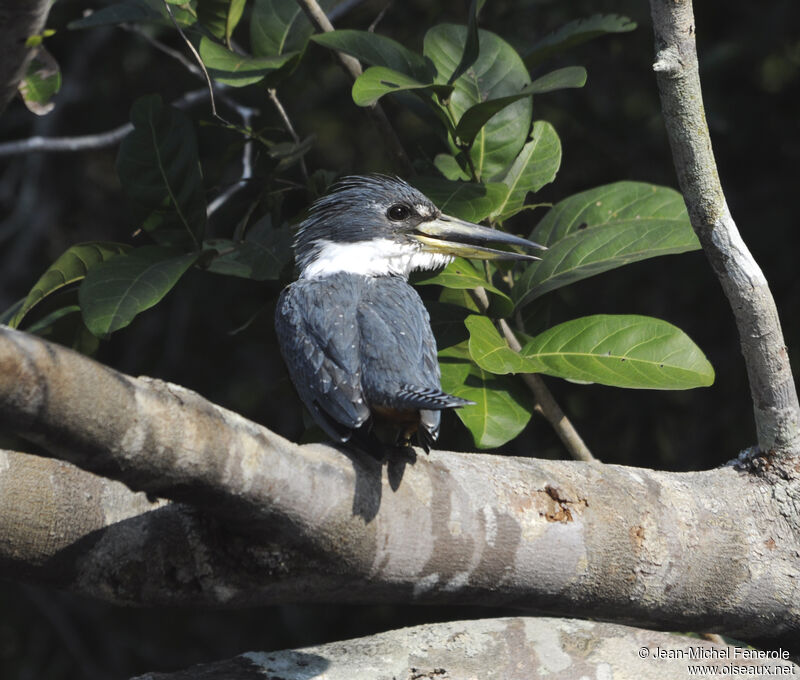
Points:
x=429, y=398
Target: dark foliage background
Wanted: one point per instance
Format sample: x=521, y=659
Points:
x=610, y=130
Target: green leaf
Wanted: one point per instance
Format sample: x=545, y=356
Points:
x=71, y=267
x=476, y=116
x=159, y=170
x=261, y=256
x=11, y=312
x=461, y=274
x=622, y=351
x=471, y=44
x=497, y=72
x=490, y=350
x=602, y=229
x=41, y=82
x=237, y=70
x=449, y=167
x=279, y=27
x=377, y=50
x=378, y=81
x=535, y=166
x=220, y=17
x=575, y=33
x=501, y=410
x=114, y=292
x=593, y=251
x=465, y=200
x=611, y=204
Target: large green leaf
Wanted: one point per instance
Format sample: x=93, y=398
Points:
x=605, y=228
x=497, y=72
x=378, y=81
x=593, y=251
x=41, y=82
x=278, y=27
x=449, y=166
x=535, y=166
x=159, y=170
x=476, y=116
x=220, y=17
x=460, y=274
x=491, y=351
x=466, y=200
x=71, y=267
x=574, y=33
x=471, y=44
x=623, y=351
x=501, y=410
x=114, y=292
x=611, y=204
x=235, y=69
x=377, y=50
x=261, y=256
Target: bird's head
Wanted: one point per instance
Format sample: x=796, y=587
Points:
x=376, y=225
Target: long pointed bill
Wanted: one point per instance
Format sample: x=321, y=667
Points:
x=452, y=236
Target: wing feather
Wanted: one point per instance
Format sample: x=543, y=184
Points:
x=319, y=341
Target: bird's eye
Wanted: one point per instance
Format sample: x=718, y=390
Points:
x=398, y=213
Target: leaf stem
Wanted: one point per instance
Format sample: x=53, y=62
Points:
x=545, y=401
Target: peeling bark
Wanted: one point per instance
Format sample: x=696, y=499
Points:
x=711, y=550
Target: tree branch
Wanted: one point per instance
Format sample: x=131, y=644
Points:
x=505, y=649
x=694, y=551
x=550, y=409
x=775, y=403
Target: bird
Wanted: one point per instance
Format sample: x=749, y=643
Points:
x=354, y=334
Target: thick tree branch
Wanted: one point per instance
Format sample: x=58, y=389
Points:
x=772, y=388
x=501, y=649
x=19, y=19
x=699, y=551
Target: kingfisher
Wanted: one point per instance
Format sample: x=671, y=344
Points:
x=355, y=336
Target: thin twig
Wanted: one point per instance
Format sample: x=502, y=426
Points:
x=199, y=62
x=247, y=164
x=97, y=140
x=79, y=143
x=273, y=95
x=380, y=16
x=353, y=67
x=188, y=64
x=545, y=401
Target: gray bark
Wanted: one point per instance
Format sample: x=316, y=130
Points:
x=713, y=550
x=502, y=649
x=775, y=403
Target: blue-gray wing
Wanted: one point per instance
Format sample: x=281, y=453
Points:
x=318, y=335
x=398, y=353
